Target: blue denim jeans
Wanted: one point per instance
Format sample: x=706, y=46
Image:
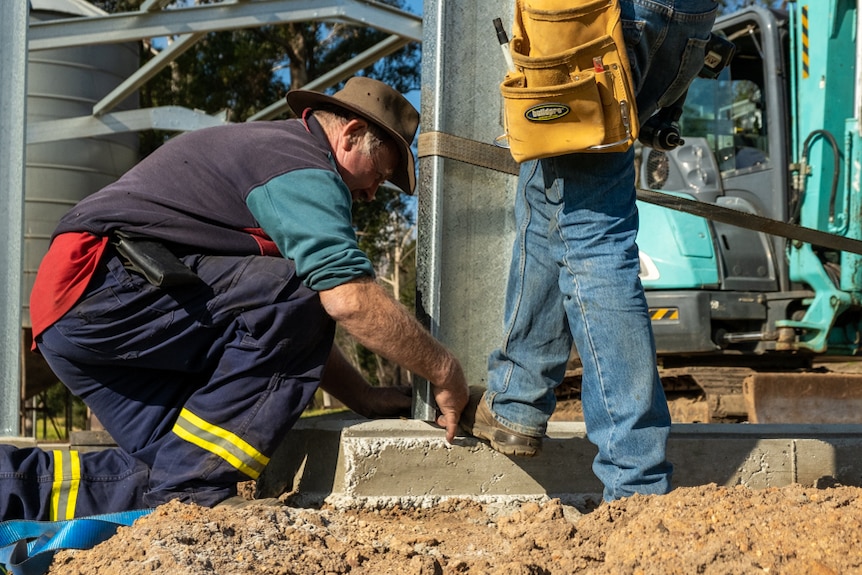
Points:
x=574, y=275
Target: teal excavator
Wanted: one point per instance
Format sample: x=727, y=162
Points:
x=751, y=216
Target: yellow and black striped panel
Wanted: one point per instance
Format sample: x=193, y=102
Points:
x=221, y=442
x=67, y=480
x=805, y=63
x=664, y=313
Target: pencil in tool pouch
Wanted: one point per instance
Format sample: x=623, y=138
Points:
x=571, y=90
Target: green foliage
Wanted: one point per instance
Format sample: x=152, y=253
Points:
x=386, y=232
x=230, y=71
x=381, y=222
x=114, y=6
x=57, y=412
x=243, y=71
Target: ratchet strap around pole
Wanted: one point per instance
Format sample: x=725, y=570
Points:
x=28, y=547
x=466, y=150
x=497, y=158
x=751, y=221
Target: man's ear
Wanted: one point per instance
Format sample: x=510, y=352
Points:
x=352, y=132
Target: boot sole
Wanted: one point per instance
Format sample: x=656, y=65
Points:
x=508, y=443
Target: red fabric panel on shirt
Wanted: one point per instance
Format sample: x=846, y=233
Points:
x=267, y=246
x=63, y=276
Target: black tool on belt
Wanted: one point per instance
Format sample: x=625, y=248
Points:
x=153, y=260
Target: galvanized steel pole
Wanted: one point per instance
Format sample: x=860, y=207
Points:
x=13, y=113
x=465, y=218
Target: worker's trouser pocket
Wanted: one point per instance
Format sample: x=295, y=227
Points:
x=572, y=89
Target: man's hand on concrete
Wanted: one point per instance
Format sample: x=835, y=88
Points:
x=451, y=398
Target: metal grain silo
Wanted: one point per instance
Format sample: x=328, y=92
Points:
x=66, y=83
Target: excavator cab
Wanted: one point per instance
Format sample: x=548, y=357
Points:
x=769, y=135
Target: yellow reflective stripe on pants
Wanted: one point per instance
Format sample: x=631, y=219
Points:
x=221, y=442
x=64, y=489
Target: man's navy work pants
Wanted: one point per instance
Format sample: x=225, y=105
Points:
x=197, y=383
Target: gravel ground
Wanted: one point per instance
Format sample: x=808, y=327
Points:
x=707, y=529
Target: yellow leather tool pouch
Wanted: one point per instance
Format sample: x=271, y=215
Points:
x=572, y=88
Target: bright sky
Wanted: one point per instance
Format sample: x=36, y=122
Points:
x=414, y=6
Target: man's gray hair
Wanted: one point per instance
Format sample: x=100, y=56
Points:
x=336, y=117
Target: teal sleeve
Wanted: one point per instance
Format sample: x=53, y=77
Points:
x=307, y=213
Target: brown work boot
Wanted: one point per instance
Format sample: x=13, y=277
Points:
x=478, y=421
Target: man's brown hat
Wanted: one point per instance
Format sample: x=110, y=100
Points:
x=378, y=103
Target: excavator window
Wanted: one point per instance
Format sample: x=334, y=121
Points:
x=729, y=111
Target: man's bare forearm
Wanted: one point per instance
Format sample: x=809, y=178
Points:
x=387, y=328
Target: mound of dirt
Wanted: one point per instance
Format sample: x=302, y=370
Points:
x=708, y=529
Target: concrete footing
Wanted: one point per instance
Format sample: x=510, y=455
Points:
x=369, y=463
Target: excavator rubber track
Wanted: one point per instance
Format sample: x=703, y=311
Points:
x=723, y=394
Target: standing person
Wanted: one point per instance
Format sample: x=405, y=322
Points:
x=192, y=305
x=574, y=278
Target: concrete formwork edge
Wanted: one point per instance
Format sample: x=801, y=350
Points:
x=347, y=462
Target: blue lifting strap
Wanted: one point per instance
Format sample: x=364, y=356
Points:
x=28, y=547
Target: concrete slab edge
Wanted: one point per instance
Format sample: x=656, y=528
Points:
x=361, y=463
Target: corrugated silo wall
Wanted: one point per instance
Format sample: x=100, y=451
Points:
x=66, y=83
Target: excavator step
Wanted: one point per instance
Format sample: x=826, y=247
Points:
x=803, y=397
